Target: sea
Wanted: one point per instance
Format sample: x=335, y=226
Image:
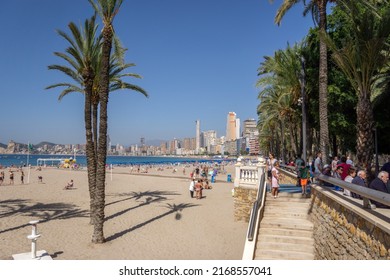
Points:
x=20, y=160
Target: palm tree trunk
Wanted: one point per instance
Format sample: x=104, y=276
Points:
x=98, y=234
x=323, y=85
x=283, y=144
x=95, y=125
x=365, y=141
x=90, y=152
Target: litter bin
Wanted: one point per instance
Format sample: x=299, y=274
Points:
x=229, y=177
x=212, y=179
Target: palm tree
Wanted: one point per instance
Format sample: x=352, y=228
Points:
x=116, y=77
x=107, y=10
x=362, y=60
x=82, y=56
x=318, y=10
x=279, y=95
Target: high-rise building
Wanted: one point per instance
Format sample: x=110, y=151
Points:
x=209, y=139
x=231, y=127
x=238, y=128
x=250, y=127
x=197, y=136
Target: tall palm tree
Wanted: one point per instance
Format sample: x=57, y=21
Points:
x=82, y=56
x=280, y=91
x=79, y=53
x=107, y=10
x=318, y=10
x=362, y=60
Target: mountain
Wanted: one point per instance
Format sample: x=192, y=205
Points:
x=41, y=144
x=155, y=142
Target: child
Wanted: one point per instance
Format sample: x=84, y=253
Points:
x=304, y=174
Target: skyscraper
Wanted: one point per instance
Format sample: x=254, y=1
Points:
x=197, y=136
x=238, y=128
x=231, y=127
x=250, y=128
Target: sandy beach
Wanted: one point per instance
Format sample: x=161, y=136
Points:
x=148, y=216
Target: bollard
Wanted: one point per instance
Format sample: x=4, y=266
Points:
x=33, y=237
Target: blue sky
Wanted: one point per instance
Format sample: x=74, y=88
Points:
x=198, y=59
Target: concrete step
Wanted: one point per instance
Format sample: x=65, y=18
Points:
x=286, y=212
x=286, y=223
x=301, y=214
x=284, y=232
x=287, y=199
x=289, y=195
x=282, y=255
x=281, y=239
x=301, y=248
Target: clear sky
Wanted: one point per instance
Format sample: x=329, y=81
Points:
x=198, y=59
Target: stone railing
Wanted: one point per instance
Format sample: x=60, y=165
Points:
x=246, y=185
x=248, y=175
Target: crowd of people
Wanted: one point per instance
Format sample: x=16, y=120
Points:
x=341, y=168
x=344, y=169
x=199, y=180
x=11, y=181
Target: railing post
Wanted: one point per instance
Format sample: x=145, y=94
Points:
x=238, y=173
x=260, y=168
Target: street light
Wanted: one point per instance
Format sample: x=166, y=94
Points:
x=302, y=81
x=376, y=152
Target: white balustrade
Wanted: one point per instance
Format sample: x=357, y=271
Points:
x=248, y=174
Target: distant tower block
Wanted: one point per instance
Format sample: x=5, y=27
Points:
x=197, y=136
x=231, y=129
x=143, y=141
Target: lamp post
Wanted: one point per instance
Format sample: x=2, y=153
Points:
x=302, y=78
x=376, y=152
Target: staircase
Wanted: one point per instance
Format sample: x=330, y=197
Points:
x=285, y=231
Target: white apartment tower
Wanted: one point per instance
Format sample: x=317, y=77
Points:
x=238, y=128
x=197, y=137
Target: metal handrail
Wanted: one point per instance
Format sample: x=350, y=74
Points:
x=375, y=195
x=255, y=209
x=365, y=192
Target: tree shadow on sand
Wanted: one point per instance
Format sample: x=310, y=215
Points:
x=139, y=195
x=172, y=209
x=44, y=212
x=149, y=196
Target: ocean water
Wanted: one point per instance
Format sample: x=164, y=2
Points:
x=7, y=160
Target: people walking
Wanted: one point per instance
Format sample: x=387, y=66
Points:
x=192, y=187
x=11, y=177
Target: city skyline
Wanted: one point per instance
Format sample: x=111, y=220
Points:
x=198, y=60
x=143, y=140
